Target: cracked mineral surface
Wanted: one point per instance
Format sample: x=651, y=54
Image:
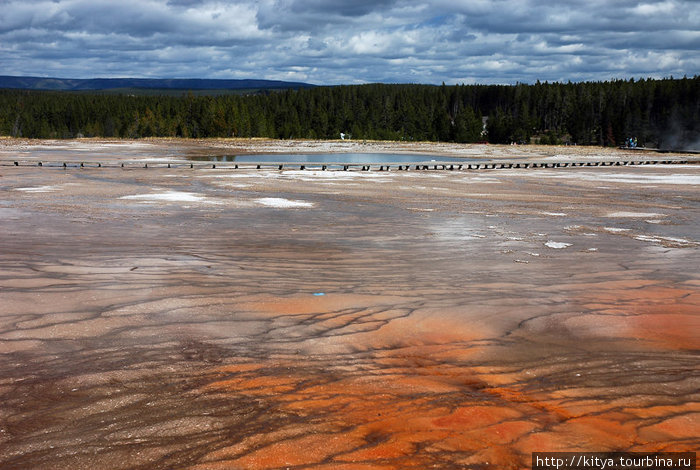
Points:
x=160, y=318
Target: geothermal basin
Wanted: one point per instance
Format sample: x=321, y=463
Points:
x=159, y=318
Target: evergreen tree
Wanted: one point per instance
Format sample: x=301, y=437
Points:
x=657, y=112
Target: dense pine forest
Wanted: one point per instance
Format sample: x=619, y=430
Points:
x=659, y=113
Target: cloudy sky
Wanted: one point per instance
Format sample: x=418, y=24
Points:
x=330, y=42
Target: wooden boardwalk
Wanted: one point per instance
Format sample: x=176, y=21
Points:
x=342, y=166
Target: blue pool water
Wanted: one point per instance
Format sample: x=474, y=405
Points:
x=331, y=158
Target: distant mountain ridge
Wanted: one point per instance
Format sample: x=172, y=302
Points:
x=77, y=84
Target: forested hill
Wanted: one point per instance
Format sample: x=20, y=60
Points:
x=659, y=113
x=71, y=84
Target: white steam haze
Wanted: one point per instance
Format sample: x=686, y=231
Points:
x=679, y=138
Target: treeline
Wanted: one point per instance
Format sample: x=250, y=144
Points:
x=658, y=112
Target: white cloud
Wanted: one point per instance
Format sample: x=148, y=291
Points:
x=653, y=9
x=327, y=42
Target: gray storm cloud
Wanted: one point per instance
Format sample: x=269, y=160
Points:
x=330, y=42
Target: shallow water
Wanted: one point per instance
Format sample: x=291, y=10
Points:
x=159, y=318
x=330, y=158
